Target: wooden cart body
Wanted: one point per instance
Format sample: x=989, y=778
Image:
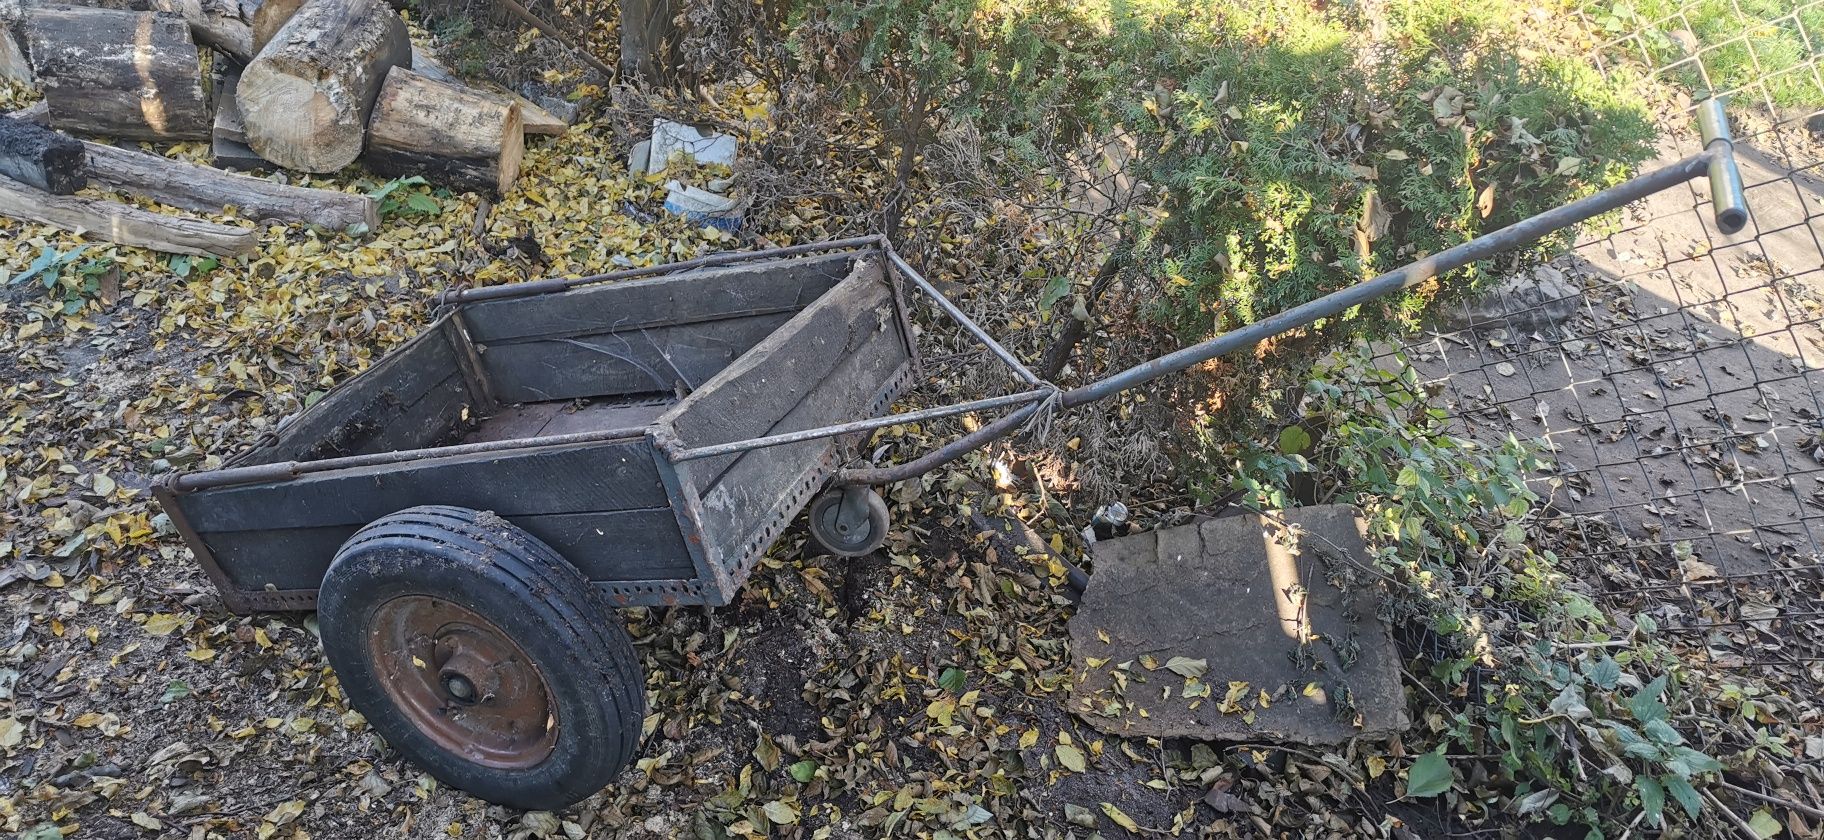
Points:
x=563, y=413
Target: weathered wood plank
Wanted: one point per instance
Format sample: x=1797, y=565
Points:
x=617, y=475
x=565, y=417
x=616, y=545
x=359, y=409
x=628, y=545
x=710, y=294
x=749, y=397
x=760, y=484
x=433, y=419
x=627, y=362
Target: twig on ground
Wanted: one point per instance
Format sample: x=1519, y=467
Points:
x=1782, y=802
x=1746, y=829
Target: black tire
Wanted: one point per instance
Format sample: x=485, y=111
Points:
x=857, y=543
x=584, y=673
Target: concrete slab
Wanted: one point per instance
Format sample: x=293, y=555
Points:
x=1234, y=629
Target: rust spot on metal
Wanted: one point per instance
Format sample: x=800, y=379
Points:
x=463, y=682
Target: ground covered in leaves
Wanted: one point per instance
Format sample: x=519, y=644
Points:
x=917, y=692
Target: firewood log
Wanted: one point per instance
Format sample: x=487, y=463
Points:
x=214, y=23
x=13, y=64
x=114, y=222
x=269, y=18
x=306, y=96
x=132, y=75
x=450, y=134
x=533, y=119
x=42, y=158
x=190, y=187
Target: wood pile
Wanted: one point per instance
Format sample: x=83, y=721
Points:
x=306, y=85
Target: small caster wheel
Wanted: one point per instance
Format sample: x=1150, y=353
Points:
x=849, y=521
x=483, y=657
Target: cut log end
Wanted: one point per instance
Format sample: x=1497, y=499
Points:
x=42, y=158
x=311, y=137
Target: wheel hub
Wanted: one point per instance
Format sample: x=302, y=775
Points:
x=459, y=687
x=463, y=682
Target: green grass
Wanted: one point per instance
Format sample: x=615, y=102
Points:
x=1288, y=126
x=1771, y=50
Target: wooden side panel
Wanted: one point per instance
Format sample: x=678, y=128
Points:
x=577, y=479
x=623, y=545
x=707, y=295
x=751, y=397
x=824, y=367
x=410, y=399
x=652, y=359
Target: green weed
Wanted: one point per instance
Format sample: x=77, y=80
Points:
x=1452, y=521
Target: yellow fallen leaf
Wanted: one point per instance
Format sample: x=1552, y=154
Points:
x=162, y=624
x=286, y=812
x=1120, y=818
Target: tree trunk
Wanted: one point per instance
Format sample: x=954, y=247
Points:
x=648, y=40
x=204, y=190
x=1058, y=354
x=41, y=158
x=119, y=223
x=133, y=75
x=448, y=133
x=306, y=97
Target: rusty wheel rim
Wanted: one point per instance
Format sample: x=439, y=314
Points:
x=462, y=682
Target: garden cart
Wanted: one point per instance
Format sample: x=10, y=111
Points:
x=466, y=514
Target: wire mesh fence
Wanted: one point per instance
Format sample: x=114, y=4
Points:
x=1673, y=373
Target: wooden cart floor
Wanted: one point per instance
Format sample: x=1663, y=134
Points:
x=562, y=417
